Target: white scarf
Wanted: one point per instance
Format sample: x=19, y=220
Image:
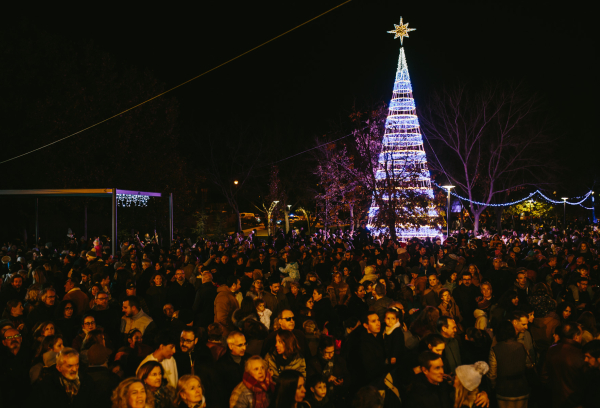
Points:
x=389, y=330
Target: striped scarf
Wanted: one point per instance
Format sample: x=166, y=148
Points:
x=259, y=389
x=71, y=386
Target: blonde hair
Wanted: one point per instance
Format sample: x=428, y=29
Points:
x=119, y=395
x=310, y=327
x=463, y=396
x=181, y=385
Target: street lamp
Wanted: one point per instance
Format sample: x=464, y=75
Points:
x=235, y=182
x=593, y=209
x=287, y=218
x=448, y=187
x=565, y=211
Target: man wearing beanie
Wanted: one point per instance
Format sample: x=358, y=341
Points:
x=94, y=263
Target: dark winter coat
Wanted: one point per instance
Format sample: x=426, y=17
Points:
x=50, y=390
x=204, y=304
x=181, y=296
x=563, y=370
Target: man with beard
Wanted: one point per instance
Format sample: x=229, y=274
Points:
x=135, y=318
x=187, y=356
x=275, y=299
x=65, y=387
x=13, y=290
x=181, y=293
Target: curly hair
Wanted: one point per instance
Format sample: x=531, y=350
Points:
x=11, y=304
x=119, y=395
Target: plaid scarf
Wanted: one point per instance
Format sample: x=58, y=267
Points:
x=71, y=386
x=259, y=389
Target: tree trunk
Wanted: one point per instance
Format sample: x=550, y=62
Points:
x=476, y=215
x=392, y=224
x=499, y=211
x=238, y=220
x=326, y=220
x=85, y=224
x=287, y=221
x=269, y=223
x=351, y=218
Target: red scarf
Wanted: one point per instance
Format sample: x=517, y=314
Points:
x=259, y=389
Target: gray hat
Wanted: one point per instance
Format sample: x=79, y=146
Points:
x=470, y=375
x=49, y=358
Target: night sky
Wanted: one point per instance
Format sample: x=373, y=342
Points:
x=307, y=78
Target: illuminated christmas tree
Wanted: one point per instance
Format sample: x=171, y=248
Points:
x=403, y=180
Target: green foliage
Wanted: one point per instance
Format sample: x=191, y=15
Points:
x=537, y=209
x=200, y=227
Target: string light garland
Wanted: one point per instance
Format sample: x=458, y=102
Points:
x=132, y=200
x=536, y=192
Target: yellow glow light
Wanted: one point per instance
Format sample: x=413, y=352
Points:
x=401, y=31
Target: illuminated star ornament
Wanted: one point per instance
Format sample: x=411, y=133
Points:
x=401, y=31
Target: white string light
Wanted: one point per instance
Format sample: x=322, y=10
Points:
x=132, y=200
x=583, y=198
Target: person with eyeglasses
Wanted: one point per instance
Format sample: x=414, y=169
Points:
x=106, y=315
x=190, y=352
x=231, y=365
x=88, y=323
x=66, y=322
x=286, y=320
x=14, y=368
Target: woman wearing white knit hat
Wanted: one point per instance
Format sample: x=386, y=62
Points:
x=466, y=383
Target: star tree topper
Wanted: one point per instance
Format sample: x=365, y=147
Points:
x=401, y=30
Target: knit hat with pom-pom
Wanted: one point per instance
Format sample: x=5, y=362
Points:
x=470, y=375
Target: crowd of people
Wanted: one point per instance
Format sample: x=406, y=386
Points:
x=297, y=320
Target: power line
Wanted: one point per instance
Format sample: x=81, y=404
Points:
x=177, y=86
x=308, y=150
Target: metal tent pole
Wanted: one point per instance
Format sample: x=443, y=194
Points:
x=114, y=222
x=171, y=220
x=37, y=221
